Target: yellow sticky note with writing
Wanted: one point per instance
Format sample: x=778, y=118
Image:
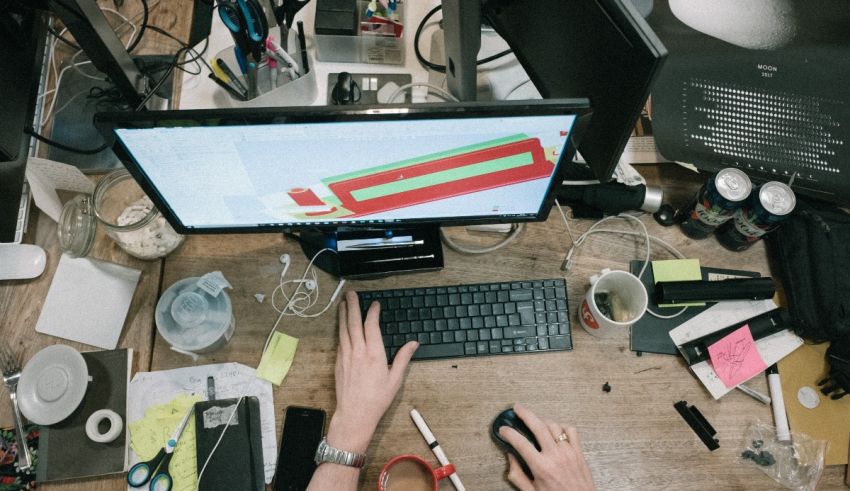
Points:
x=678, y=270
x=149, y=434
x=277, y=358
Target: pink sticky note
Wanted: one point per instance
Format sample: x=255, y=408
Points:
x=735, y=358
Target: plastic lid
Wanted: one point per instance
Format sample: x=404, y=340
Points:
x=77, y=226
x=190, y=318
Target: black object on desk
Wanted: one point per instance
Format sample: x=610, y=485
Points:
x=336, y=17
x=651, y=334
x=761, y=326
x=510, y=419
x=698, y=423
x=237, y=463
x=673, y=292
x=474, y=320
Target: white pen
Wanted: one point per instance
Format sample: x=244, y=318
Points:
x=435, y=447
x=283, y=57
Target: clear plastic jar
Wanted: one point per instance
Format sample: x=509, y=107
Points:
x=128, y=217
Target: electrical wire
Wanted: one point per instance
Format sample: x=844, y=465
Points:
x=62, y=146
x=435, y=66
x=567, y=265
x=439, y=91
x=299, y=301
x=516, y=229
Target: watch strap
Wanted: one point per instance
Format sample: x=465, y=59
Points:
x=329, y=454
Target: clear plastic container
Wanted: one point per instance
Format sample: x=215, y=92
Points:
x=195, y=314
x=128, y=217
x=365, y=47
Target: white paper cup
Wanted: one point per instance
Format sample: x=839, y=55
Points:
x=622, y=296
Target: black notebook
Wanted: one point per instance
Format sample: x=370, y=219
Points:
x=64, y=450
x=237, y=463
x=651, y=334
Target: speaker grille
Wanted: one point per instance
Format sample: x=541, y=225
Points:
x=769, y=130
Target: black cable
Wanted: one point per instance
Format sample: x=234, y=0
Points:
x=161, y=81
x=62, y=146
x=437, y=67
x=62, y=38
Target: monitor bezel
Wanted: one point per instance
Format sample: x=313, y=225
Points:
x=107, y=123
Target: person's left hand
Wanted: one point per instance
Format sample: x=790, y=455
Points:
x=365, y=386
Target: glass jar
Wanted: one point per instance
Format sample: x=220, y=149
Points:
x=128, y=217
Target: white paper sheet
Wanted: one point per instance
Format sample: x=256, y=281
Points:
x=771, y=348
x=88, y=301
x=46, y=176
x=231, y=380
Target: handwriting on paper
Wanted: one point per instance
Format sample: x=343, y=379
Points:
x=735, y=358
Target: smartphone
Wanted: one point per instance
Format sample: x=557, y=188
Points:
x=303, y=428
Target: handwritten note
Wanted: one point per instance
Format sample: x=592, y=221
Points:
x=277, y=358
x=149, y=434
x=735, y=357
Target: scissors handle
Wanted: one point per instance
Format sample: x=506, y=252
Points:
x=161, y=481
x=141, y=473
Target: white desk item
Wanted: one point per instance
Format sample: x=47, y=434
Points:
x=88, y=301
x=21, y=261
x=53, y=384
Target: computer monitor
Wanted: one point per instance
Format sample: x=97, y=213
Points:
x=600, y=49
x=335, y=168
x=21, y=52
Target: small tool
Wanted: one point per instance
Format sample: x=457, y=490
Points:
x=248, y=26
x=156, y=469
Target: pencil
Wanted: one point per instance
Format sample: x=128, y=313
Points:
x=305, y=64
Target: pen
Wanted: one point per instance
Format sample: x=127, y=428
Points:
x=419, y=421
x=275, y=51
x=780, y=419
x=252, y=80
x=230, y=90
x=226, y=69
x=305, y=65
x=393, y=259
x=386, y=245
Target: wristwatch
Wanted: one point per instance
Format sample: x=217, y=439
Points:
x=327, y=453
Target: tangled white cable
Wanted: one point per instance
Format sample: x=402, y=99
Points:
x=304, y=297
x=567, y=264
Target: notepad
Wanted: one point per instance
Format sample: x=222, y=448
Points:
x=678, y=270
x=277, y=358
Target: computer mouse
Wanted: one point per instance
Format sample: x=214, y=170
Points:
x=21, y=261
x=509, y=418
x=346, y=90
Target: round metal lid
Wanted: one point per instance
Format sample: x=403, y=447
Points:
x=77, y=226
x=777, y=198
x=733, y=184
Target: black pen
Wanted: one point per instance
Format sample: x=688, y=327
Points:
x=230, y=90
x=227, y=71
x=305, y=64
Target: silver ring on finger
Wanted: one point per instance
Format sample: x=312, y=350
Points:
x=562, y=438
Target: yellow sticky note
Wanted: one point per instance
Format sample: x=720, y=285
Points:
x=149, y=434
x=678, y=270
x=277, y=358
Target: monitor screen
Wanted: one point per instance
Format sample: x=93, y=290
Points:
x=237, y=170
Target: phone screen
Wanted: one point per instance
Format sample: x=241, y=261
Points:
x=302, y=432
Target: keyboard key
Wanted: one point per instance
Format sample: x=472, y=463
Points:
x=462, y=311
x=438, y=351
x=403, y=327
x=454, y=299
x=398, y=340
x=502, y=320
x=460, y=336
x=519, y=332
x=563, y=329
x=469, y=349
x=495, y=347
x=423, y=338
x=498, y=309
x=465, y=323
x=448, y=337
x=514, y=320
x=543, y=343
x=441, y=324
x=520, y=295
x=454, y=324
x=436, y=338
x=484, y=334
x=472, y=335
x=490, y=321
x=474, y=310
x=507, y=349
x=510, y=308
x=428, y=326
x=496, y=333
x=482, y=347
x=559, y=342
x=486, y=309
x=519, y=349
x=477, y=322
x=416, y=326
x=466, y=298
x=503, y=296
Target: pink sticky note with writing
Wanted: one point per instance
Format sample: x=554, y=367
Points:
x=735, y=358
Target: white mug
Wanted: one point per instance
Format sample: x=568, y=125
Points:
x=625, y=302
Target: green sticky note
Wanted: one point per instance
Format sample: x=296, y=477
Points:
x=277, y=358
x=678, y=270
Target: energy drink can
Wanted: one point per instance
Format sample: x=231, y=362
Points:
x=716, y=202
x=762, y=215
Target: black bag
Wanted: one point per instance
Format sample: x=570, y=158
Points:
x=812, y=253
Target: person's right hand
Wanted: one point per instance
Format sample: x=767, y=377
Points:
x=559, y=465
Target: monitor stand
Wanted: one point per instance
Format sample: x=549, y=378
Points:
x=374, y=253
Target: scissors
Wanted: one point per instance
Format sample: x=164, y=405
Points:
x=156, y=469
x=247, y=23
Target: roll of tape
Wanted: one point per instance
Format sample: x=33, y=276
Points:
x=116, y=424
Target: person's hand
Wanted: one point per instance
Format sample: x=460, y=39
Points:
x=558, y=465
x=365, y=386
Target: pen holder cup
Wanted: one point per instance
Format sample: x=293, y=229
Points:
x=299, y=92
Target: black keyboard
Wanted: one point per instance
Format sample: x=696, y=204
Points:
x=474, y=320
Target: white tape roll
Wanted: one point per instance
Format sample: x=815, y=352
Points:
x=116, y=424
